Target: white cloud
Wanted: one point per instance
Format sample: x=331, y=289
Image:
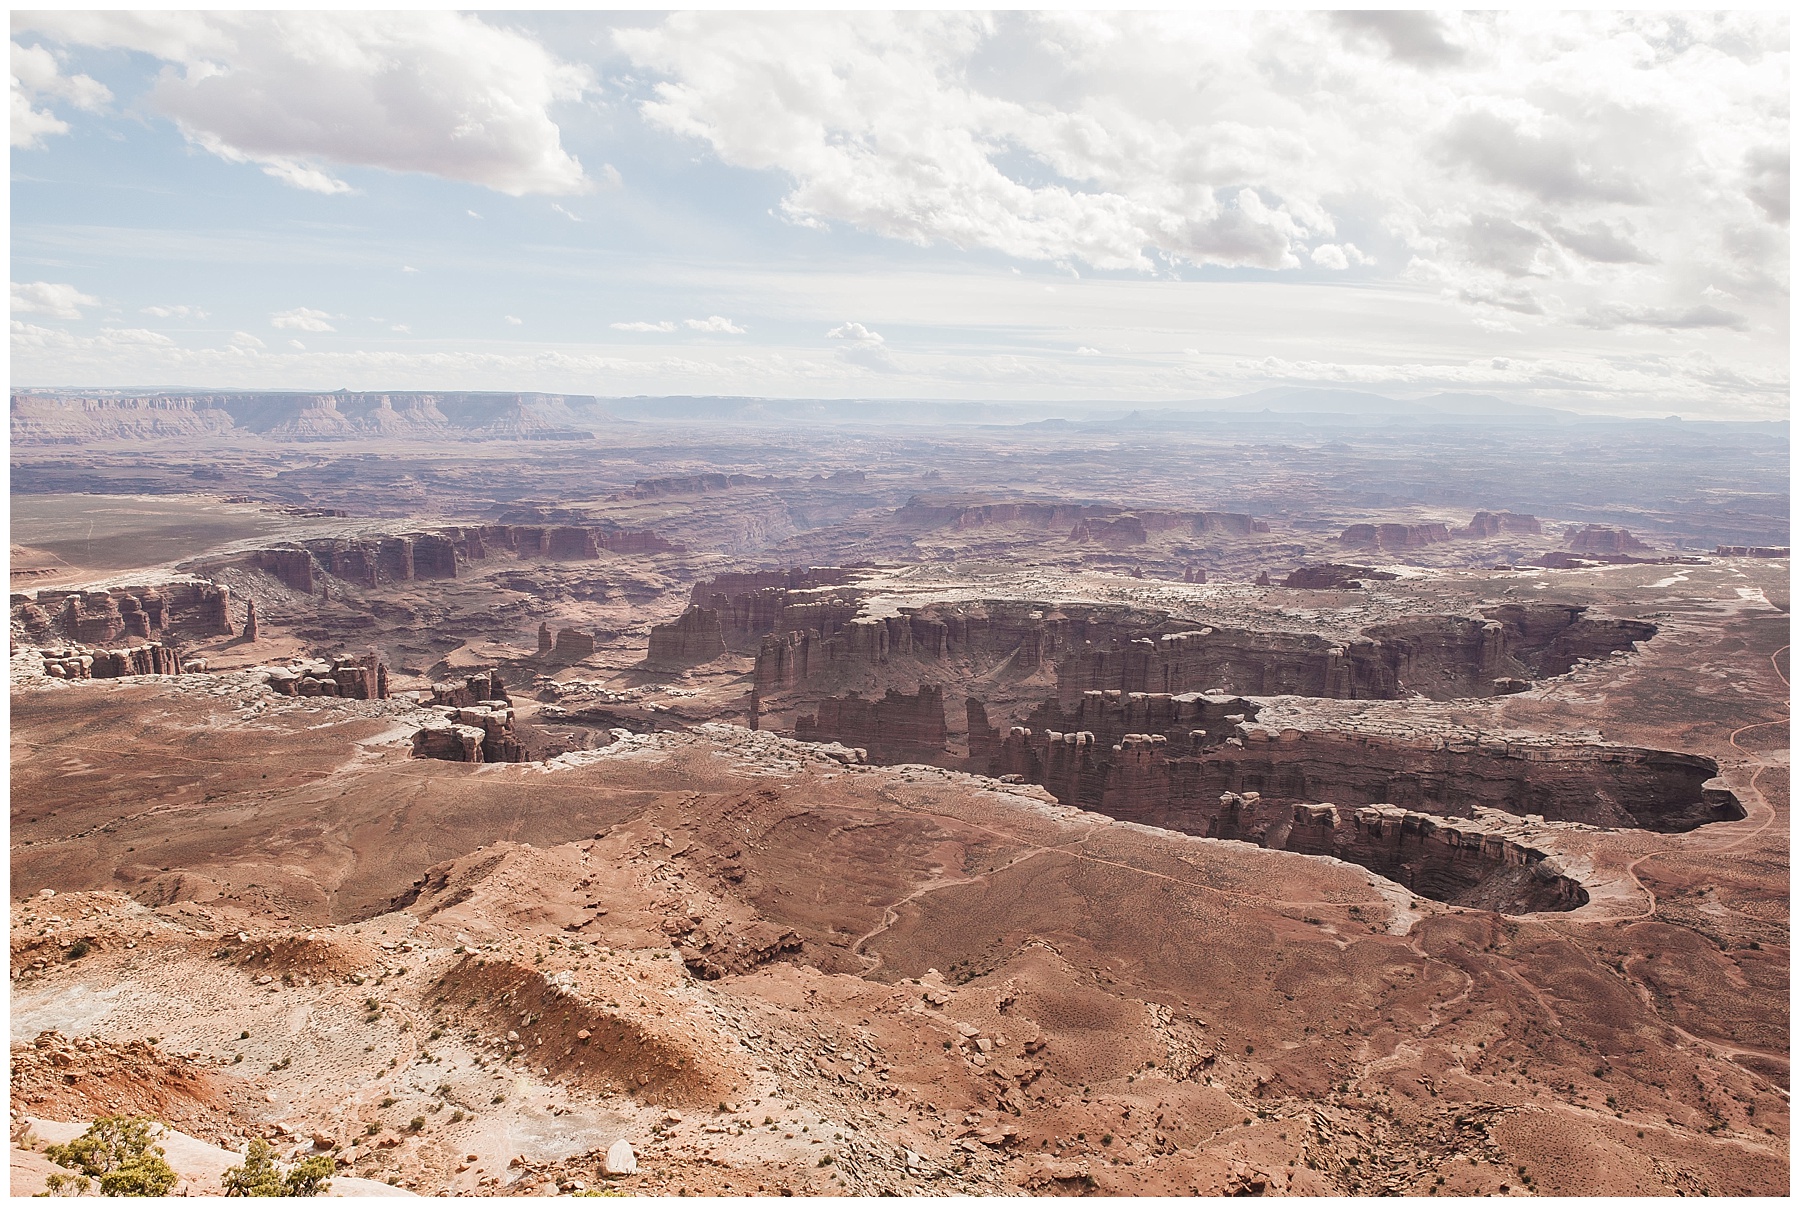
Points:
x=647, y=327
x=243, y=339
x=855, y=332
x=1087, y=351
x=402, y=328
x=717, y=325
x=565, y=213
x=36, y=75
x=174, y=312
x=43, y=297
x=294, y=343
x=302, y=319
x=472, y=213
x=440, y=93
x=1619, y=157
x=408, y=268
x=514, y=321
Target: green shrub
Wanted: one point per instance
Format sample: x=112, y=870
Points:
x=260, y=1177
x=118, y=1151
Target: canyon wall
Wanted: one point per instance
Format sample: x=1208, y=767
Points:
x=691, y=639
x=99, y=618
x=896, y=728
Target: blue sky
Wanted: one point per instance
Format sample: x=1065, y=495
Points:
x=1584, y=210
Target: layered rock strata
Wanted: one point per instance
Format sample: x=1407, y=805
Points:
x=693, y=638
x=1176, y=781
x=897, y=728
x=1394, y=538
x=475, y=723
x=361, y=677
x=1486, y=524
x=1598, y=538
x=201, y=609
x=152, y=659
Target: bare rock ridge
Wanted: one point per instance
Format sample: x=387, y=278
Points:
x=200, y=609
x=701, y=484
x=1176, y=780
x=371, y=561
x=814, y=637
x=48, y=417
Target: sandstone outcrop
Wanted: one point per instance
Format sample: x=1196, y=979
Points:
x=572, y=645
x=1332, y=576
x=691, y=639
x=897, y=728
x=151, y=659
x=1486, y=524
x=1751, y=551
x=476, y=723
x=1177, y=781
x=200, y=609
x=1394, y=538
x=363, y=677
x=1598, y=538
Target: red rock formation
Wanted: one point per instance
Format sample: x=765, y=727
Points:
x=1597, y=538
x=691, y=639
x=103, y=617
x=1751, y=551
x=472, y=690
x=1487, y=524
x=1394, y=537
x=250, y=621
x=152, y=659
x=572, y=645
x=894, y=729
x=1084, y=521
x=1331, y=576
x=1263, y=580
x=1193, y=574
x=293, y=566
x=476, y=723
x=546, y=642
x=363, y=677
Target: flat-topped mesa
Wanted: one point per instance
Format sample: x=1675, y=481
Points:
x=691, y=639
x=1108, y=523
x=572, y=645
x=1093, y=648
x=754, y=604
x=350, y=677
x=1598, y=538
x=1394, y=537
x=152, y=659
x=371, y=561
x=1192, y=719
x=1751, y=551
x=1486, y=524
x=101, y=618
x=897, y=728
x=1334, y=576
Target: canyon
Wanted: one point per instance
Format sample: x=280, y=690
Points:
x=1065, y=809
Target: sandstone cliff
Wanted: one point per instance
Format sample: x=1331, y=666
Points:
x=897, y=728
x=691, y=639
x=1394, y=538
x=1597, y=538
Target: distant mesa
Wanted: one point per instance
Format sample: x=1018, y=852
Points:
x=1751, y=551
x=1104, y=523
x=693, y=638
x=1393, y=538
x=1597, y=538
x=1332, y=576
x=1487, y=524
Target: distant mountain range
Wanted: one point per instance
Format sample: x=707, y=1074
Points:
x=49, y=416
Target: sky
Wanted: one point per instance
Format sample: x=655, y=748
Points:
x=1584, y=210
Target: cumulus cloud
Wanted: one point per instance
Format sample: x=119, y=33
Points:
x=716, y=325
x=855, y=332
x=513, y=320
x=37, y=76
x=1622, y=156
x=663, y=327
x=243, y=339
x=302, y=319
x=44, y=297
x=297, y=93
x=174, y=312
